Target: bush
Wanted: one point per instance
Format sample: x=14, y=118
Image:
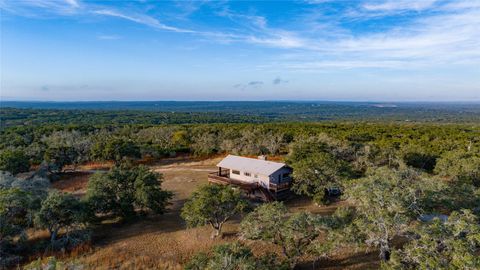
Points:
x=234, y=256
x=14, y=161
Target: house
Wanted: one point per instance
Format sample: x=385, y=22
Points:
x=259, y=178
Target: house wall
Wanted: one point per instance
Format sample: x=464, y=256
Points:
x=277, y=178
x=262, y=179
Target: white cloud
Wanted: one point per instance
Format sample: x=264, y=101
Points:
x=73, y=3
x=36, y=8
x=448, y=35
x=399, y=5
x=109, y=37
x=279, y=40
x=142, y=19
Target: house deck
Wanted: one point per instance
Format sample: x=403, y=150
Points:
x=274, y=192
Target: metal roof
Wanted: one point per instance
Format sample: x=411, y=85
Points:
x=251, y=165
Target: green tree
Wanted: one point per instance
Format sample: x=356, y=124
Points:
x=59, y=157
x=271, y=222
x=461, y=166
x=385, y=204
x=14, y=161
x=15, y=216
x=115, y=149
x=66, y=148
x=214, y=205
x=125, y=188
x=318, y=163
x=234, y=256
x=36, y=187
x=419, y=160
x=454, y=244
x=319, y=171
x=60, y=211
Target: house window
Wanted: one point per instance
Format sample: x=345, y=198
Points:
x=247, y=174
x=285, y=175
x=235, y=172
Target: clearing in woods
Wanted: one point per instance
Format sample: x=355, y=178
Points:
x=164, y=242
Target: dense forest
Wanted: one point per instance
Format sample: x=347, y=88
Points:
x=394, y=174
x=180, y=112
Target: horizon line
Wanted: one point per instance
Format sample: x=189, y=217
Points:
x=263, y=100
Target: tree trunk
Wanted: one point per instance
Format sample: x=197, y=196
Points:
x=53, y=236
x=215, y=234
x=385, y=253
x=217, y=230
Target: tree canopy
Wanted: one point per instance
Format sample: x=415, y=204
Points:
x=272, y=222
x=14, y=161
x=385, y=203
x=454, y=244
x=213, y=205
x=60, y=211
x=234, y=256
x=124, y=188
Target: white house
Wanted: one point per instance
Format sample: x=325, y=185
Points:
x=251, y=174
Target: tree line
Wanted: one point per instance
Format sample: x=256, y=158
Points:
x=419, y=145
x=391, y=175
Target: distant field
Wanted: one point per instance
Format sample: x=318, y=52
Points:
x=178, y=112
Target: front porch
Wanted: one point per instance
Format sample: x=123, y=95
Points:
x=223, y=178
x=273, y=192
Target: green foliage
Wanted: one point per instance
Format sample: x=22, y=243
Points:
x=323, y=155
x=125, y=188
x=14, y=161
x=36, y=187
x=420, y=160
x=52, y=263
x=293, y=233
x=15, y=216
x=233, y=256
x=60, y=211
x=385, y=203
x=65, y=148
x=453, y=245
x=318, y=163
x=316, y=173
x=58, y=157
x=342, y=217
x=359, y=145
x=116, y=149
x=165, y=112
x=214, y=205
x=461, y=166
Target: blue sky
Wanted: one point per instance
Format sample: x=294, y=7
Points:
x=375, y=50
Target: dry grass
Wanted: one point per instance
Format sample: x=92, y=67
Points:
x=74, y=182
x=163, y=241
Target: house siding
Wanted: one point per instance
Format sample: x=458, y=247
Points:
x=274, y=177
x=251, y=178
x=263, y=180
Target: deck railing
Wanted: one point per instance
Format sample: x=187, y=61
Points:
x=218, y=179
x=281, y=186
